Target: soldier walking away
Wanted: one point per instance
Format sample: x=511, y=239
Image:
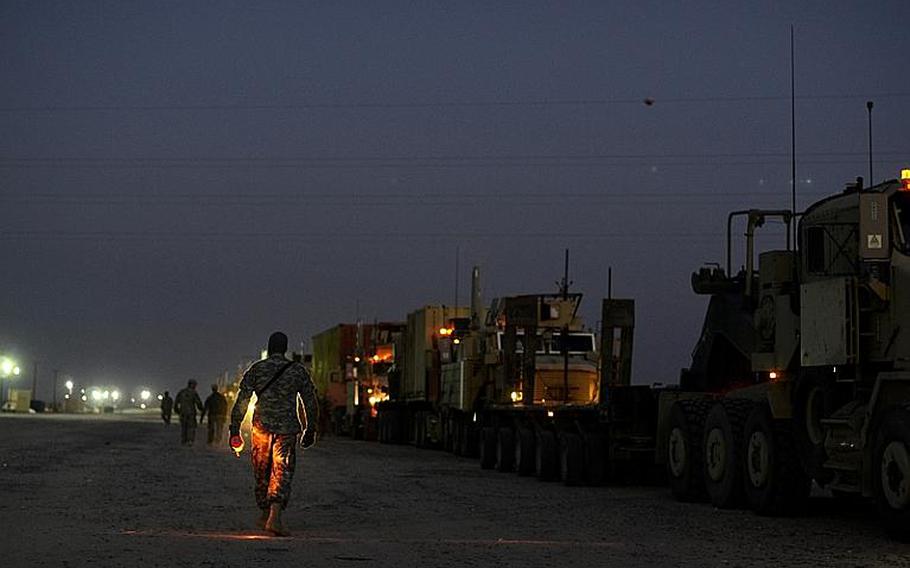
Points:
x=167, y=404
x=185, y=404
x=216, y=407
x=279, y=385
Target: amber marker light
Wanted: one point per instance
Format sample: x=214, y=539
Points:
x=905, y=179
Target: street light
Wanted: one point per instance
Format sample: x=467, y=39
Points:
x=68, y=385
x=145, y=395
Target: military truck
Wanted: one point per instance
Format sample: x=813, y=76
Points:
x=802, y=369
x=412, y=413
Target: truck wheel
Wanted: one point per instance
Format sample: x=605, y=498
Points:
x=596, y=459
x=571, y=459
x=487, y=447
x=419, y=430
x=775, y=482
x=684, y=449
x=524, y=452
x=505, y=450
x=891, y=471
x=812, y=401
x=457, y=440
x=469, y=439
x=545, y=455
x=723, y=447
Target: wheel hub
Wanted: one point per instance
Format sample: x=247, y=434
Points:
x=677, y=457
x=758, y=462
x=896, y=475
x=716, y=454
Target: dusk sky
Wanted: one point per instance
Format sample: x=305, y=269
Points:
x=180, y=179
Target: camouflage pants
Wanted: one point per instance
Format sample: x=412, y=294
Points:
x=187, y=430
x=274, y=458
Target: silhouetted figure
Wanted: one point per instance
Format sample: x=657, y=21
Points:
x=185, y=404
x=279, y=384
x=167, y=404
x=216, y=407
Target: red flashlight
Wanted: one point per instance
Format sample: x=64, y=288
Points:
x=237, y=444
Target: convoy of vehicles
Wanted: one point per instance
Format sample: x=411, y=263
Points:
x=801, y=373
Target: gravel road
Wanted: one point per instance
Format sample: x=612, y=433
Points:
x=121, y=491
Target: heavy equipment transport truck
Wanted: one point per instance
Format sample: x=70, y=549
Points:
x=801, y=373
x=802, y=370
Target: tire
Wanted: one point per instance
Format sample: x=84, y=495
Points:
x=596, y=459
x=419, y=428
x=525, y=452
x=891, y=471
x=505, y=450
x=487, y=447
x=469, y=443
x=457, y=436
x=723, y=452
x=774, y=480
x=446, y=424
x=812, y=401
x=571, y=459
x=684, y=449
x=545, y=456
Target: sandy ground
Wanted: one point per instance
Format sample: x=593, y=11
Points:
x=120, y=491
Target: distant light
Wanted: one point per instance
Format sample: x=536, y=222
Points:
x=106, y=395
x=145, y=394
x=550, y=414
x=264, y=354
x=456, y=341
x=68, y=385
x=772, y=375
x=132, y=401
x=81, y=391
x=142, y=406
x=6, y=367
x=905, y=179
x=357, y=359
x=66, y=396
x=160, y=397
x=84, y=398
x=16, y=370
x=96, y=394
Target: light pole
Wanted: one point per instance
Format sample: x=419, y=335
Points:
x=8, y=368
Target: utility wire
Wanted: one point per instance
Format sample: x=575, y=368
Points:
x=371, y=105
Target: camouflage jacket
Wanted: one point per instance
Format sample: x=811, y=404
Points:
x=216, y=407
x=186, y=402
x=276, y=408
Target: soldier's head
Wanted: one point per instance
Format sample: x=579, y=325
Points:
x=214, y=388
x=191, y=384
x=278, y=343
x=166, y=393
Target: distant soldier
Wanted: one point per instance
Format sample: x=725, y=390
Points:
x=279, y=385
x=216, y=406
x=167, y=404
x=185, y=405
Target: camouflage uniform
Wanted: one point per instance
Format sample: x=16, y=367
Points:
x=167, y=404
x=216, y=408
x=276, y=424
x=185, y=404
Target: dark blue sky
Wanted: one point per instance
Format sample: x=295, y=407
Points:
x=179, y=179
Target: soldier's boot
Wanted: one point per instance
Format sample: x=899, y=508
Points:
x=274, y=524
x=262, y=519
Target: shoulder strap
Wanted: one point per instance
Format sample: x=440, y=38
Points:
x=275, y=378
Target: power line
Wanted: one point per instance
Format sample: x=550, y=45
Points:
x=247, y=235
x=404, y=105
